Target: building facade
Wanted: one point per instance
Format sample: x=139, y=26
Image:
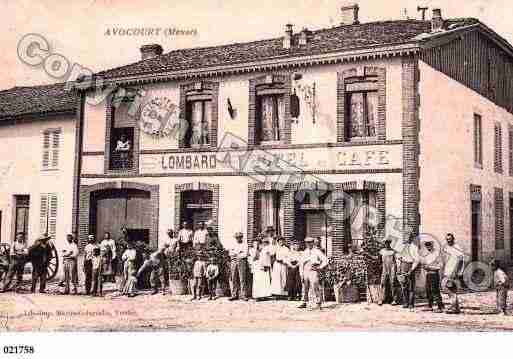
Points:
x=37, y=143
x=397, y=127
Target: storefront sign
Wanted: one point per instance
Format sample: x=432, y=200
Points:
x=262, y=161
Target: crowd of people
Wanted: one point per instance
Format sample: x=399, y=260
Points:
x=267, y=268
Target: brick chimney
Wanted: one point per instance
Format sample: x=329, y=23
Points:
x=287, y=40
x=350, y=14
x=150, y=51
x=437, y=23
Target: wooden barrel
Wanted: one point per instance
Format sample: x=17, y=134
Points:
x=177, y=287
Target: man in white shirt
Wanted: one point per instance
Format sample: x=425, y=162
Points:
x=185, y=236
x=200, y=235
x=433, y=263
x=108, y=248
x=18, y=254
x=408, y=261
x=312, y=262
x=238, y=268
x=69, y=257
x=453, y=268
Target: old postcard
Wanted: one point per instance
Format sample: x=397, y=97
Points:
x=255, y=166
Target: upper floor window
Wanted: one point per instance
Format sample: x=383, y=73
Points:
x=199, y=118
x=122, y=155
x=271, y=116
x=269, y=110
x=362, y=113
x=51, y=144
x=198, y=106
x=361, y=104
x=498, y=148
x=478, y=141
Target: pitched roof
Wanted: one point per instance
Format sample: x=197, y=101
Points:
x=340, y=38
x=30, y=100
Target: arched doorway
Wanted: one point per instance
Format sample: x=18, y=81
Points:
x=111, y=209
x=107, y=206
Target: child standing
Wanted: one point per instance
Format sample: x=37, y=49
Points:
x=97, y=267
x=501, y=282
x=212, y=275
x=198, y=273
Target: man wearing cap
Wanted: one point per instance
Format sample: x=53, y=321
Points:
x=312, y=262
x=185, y=236
x=18, y=254
x=200, y=236
x=238, y=268
x=432, y=263
x=39, y=254
x=88, y=262
x=408, y=258
x=69, y=257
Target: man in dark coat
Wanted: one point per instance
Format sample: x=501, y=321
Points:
x=39, y=254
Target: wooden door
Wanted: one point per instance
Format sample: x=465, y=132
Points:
x=476, y=229
x=110, y=215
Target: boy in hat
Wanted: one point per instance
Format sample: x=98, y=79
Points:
x=198, y=273
x=432, y=265
x=501, y=282
x=97, y=271
x=212, y=273
x=312, y=262
x=239, y=268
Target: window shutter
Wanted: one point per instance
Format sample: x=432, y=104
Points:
x=55, y=148
x=46, y=149
x=498, y=148
x=43, y=214
x=52, y=220
x=510, y=150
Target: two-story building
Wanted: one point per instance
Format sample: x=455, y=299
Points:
x=399, y=125
x=37, y=151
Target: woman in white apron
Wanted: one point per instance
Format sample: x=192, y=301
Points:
x=260, y=257
x=280, y=269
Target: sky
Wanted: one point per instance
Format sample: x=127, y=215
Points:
x=78, y=29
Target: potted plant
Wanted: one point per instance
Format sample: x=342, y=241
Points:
x=180, y=271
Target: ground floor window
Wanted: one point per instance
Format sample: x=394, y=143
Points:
x=21, y=215
x=358, y=214
x=269, y=211
x=197, y=206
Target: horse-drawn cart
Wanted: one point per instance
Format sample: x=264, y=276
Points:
x=5, y=262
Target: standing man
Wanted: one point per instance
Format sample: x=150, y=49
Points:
x=453, y=260
x=69, y=257
x=18, y=256
x=88, y=262
x=432, y=265
x=108, y=249
x=238, y=268
x=312, y=262
x=388, y=274
x=185, y=236
x=200, y=236
x=121, y=245
x=39, y=255
x=408, y=257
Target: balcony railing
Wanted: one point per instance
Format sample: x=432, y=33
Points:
x=121, y=160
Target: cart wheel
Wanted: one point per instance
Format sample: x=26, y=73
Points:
x=53, y=264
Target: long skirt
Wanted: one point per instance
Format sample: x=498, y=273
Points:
x=261, y=283
x=294, y=283
x=279, y=279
